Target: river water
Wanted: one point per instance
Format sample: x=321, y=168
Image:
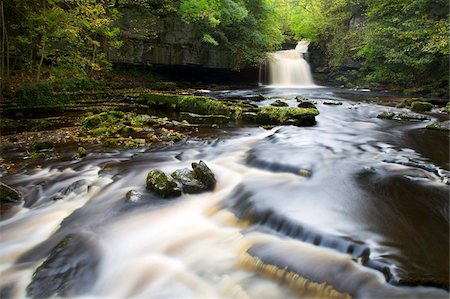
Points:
x=353, y=206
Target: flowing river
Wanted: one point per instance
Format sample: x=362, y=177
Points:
x=355, y=206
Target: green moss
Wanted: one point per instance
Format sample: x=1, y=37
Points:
x=279, y=103
x=130, y=144
x=444, y=126
x=38, y=156
x=166, y=86
x=141, y=120
x=188, y=103
x=110, y=142
x=417, y=106
x=446, y=109
x=81, y=151
x=125, y=130
x=101, y=131
x=282, y=115
x=41, y=145
x=103, y=119
x=406, y=103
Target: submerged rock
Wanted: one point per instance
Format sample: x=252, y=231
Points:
x=133, y=196
x=204, y=174
x=189, y=181
x=161, y=184
x=332, y=102
x=70, y=269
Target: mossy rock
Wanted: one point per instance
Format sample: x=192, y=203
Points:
x=440, y=126
x=103, y=119
x=279, y=103
x=162, y=185
x=204, y=174
x=306, y=104
x=421, y=106
x=81, y=151
x=39, y=124
x=446, y=109
x=283, y=115
x=189, y=181
x=402, y=116
x=42, y=145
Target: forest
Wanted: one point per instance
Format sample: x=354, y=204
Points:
x=401, y=44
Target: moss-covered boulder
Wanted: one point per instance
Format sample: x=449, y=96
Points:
x=204, y=174
x=306, y=104
x=421, y=106
x=279, y=103
x=9, y=195
x=159, y=183
x=188, y=179
x=283, y=115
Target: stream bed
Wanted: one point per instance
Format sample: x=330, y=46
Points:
x=355, y=206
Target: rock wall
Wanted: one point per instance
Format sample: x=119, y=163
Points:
x=168, y=41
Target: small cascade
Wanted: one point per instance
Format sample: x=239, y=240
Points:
x=288, y=68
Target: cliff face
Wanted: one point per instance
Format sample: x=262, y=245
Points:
x=166, y=41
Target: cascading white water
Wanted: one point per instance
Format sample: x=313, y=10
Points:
x=288, y=68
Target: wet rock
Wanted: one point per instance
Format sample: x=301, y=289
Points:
x=70, y=269
x=133, y=196
x=257, y=98
x=279, y=103
x=76, y=187
x=81, y=152
x=161, y=184
x=42, y=145
x=418, y=106
x=440, y=126
x=306, y=104
x=204, y=174
x=204, y=119
x=301, y=99
x=332, y=102
x=9, y=195
x=249, y=116
x=402, y=116
x=189, y=181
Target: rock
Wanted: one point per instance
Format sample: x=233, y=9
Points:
x=204, y=119
x=279, y=103
x=81, y=152
x=301, y=99
x=418, y=106
x=76, y=187
x=70, y=269
x=204, y=174
x=402, y=116
x=257, y=98
x=332, y=102
x=42, y=145
x=306, y=104
x=249, y=116
x=9, y=195
x=133, y=196
x=189, y=181
x=440, y=126
x=162, y=185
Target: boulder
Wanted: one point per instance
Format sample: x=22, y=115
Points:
x=418, y=106
x=189, y=181
x=9, y=195
x=440, y=126
x=133, y=196
x=204, y=174
x=279, y=103
x=161, y=184
x=306, y=104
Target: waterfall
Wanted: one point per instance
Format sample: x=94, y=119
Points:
x=288, y=68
